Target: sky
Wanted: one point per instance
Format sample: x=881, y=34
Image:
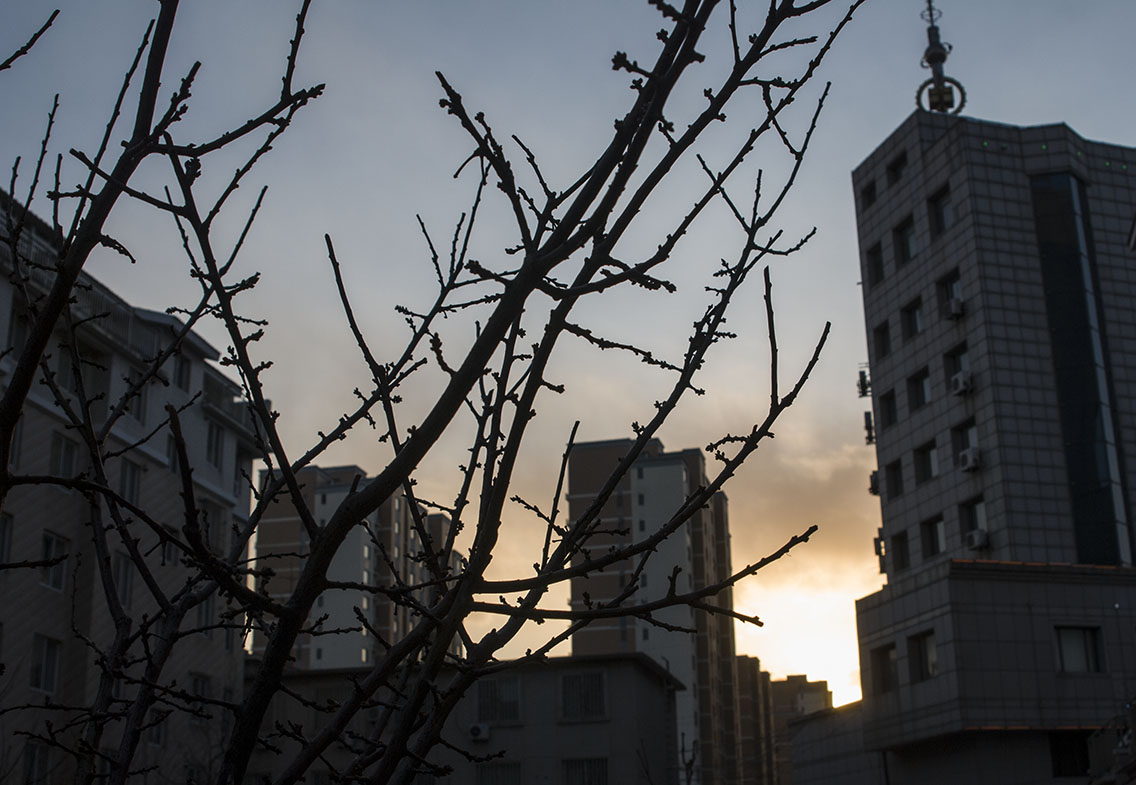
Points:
x=376, y=150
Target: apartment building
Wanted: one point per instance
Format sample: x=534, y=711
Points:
x=55, y=620
x=704, y=661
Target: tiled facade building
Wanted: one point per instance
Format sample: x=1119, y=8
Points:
x=705, y=662
x=55, y=618
x=1000, y=305
x=755, y=723
x=387, y=538
x=792, y=698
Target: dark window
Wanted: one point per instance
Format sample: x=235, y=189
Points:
x=972, y=514
x=37, y=765
x=885, y=677
x=181, y=371
x=874, y=264
x=214, y=444
x=582, y=695
x=1069, y=752
x=922, y=656
x=911, y=318
x=54, y=550
x=130, y=481
x=199, y=687
x=868, y=194
x=64, y=456
x=900, y=550
x=963, y=437
x=123, y=577
x=7, y=525
x=889, y=412
x=903, y=236
x=1078, y=649
x=896, y=168
x=926, y=462
x=940, y=211
x=893, y=479
x=585, y=771
x=499, y=699
x=44, y=672
x=918, y=389
x=949, y=290
x=881, y=340
x=934, y=536
x=499, y=772
x=957, y=360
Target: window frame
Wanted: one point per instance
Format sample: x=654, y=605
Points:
x=919, y=389
x=573, y=704
x=922, y=656
x=926, y=460
x=912, y=319
x=933, y=536
x=54, y=546
x=44, y=673
x=884, y=662
x=940, y=211
x=1069, y=637
x=903, y=241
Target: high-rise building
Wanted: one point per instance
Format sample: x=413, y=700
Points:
x=704, y=662
x=55, y=622
x=792, y=698
x=384, y=543
x=999, y=303
x=755, y=723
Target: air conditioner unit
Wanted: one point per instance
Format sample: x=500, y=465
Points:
x=955, y=308
x=961, y=383
x=969, y=459
x=977, y=539
x=479, y=731
x=874, y=483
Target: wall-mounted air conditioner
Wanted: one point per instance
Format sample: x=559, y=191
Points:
x=970, y=459
x=955, y=308
x=977, y=539
x=479, y=731
x=961, y=383
x=874, y=483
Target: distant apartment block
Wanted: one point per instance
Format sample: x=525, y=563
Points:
x=999, y=305
x=384, y=550
x=55, y=617
x=755, y=723
x=705, y=662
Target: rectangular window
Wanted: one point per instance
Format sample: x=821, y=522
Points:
x=868, y=194
x=874, y=264
x=963, y=437
x=896, y=168
x=181, y=371
x=972, y=515
x=172, y=461
x=903, y=236
x=37, y=763
x=499, y=699
x=911, y=318
x=582, y=696
x=949, y=289
x=54, y=576
x=499, y=772
x=885, y=676
x=205, y=616
x=44, y=674
x=7, y=526
x=889, y=412
x=130, y=481
x=156, y=729
x=64, y=456
x=934, y=536
x=893, y=479
x=200, y=688
x=926, y=462
x=214, y=444
x=940, y=211
x=881, y=340
x=140, y=400
x=921, y=655
x=585, y=771
x=123, y=577
x=957, y=360
x=17, y=443
x=900, y=551
x=1079, y=649
x=918, y=389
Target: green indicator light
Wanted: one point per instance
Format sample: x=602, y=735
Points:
x=1078, y=153
x=985, y=144
x=1108, y=163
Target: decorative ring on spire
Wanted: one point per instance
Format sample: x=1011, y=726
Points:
x=941, y=99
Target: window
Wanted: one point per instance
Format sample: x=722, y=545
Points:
x=934, y=536
x=940, y=211
x=1078, y=649
x=642, y=525
x=949, y=288
x=874, y=264
x=17, y=442
x=911, y=318
x=903, y=236
x=17, y=324
x=956, y=360
x=900, y=552
x=585, y=771
x=499, y=699
x=881, y=340
x=919, y=389
x=926, y=462
x=889, y=413
x=885, y=677
x=54, y=575
x=37, y=765
x=169, y=550
x=868, y=194
x=582, y=696
x=156, y=729
x=896, y=168
x=499, y=772
x=45, y=664
x=963, y=437
x=200, y=688
x=181, y=371
x=921, y=655
x=140, y=400
x=205, y=616
x=172, y=460
x=214, y=444
x=7, y=524
x=893, y=479
x=130, y=481
x=972, y=514
x=64, y=456
x=123, y=577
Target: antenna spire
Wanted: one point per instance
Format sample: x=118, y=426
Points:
x=939, y=89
